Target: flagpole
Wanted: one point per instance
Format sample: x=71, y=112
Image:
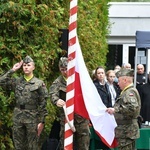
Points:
x=69, y=107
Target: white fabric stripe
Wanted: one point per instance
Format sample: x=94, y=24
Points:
x=71, y=34
x=70, y=94
x=73, y=3
x=68, y=140
x=70, y=78
x=67, y=127
x=72, y=49
x=70, y=109
x=71, y=64
x=73, y=18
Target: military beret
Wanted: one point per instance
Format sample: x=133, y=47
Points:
x=125, y=72
x=27, y=59
x=63, y=62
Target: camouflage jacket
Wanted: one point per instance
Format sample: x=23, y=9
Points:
x=127, y=109
x=31, y=96
x=58, y=89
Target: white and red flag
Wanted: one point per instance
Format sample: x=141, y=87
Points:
x=82, y=96
x=88, y=103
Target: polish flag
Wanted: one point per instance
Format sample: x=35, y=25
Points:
x=88, y=103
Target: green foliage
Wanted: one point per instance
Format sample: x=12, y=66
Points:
x=31, y=27
x=92, y=30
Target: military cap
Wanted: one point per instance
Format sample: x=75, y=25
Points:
x=125, y=72
x=27, y=59
x=63, y=62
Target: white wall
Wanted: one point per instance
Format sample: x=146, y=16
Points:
x=126, y=19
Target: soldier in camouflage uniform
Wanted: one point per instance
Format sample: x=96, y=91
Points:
x=126, y=111
x=58, y=96
x=30, y=109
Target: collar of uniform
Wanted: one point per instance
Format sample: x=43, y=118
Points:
x=28, y=78
x=65, y=78
x=127, y=87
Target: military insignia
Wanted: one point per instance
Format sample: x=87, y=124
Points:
x=131, y=94
x=133, y=100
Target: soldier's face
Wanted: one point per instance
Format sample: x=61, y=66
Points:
x=121, y=82
x=28, y=68
x=63, y=72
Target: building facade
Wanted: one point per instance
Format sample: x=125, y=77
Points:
x=125, y=19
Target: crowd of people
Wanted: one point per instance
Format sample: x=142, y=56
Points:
x=115, y=88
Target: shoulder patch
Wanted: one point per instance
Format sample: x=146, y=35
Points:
x=133, y=100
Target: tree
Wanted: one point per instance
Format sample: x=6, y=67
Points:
x=31, y=27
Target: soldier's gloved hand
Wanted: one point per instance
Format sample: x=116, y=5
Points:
x=17, y=65
x=60, y=103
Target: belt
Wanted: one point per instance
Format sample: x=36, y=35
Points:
x=126, y=122
x=27, y=107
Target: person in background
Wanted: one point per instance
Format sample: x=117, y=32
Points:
x=141, y=79
x=30, y=109
x=141, y=76
x=126, y=65
x=114, y=90
x=145, y=100
x=126, y=111
x=104, y=92
x=57, y=94
x=93, y=75
x=117, y=68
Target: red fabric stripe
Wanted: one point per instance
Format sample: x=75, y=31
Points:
x=68, y=133
x=70, y=102
x=72, y=26
x=70, y=116
x=70, y=87
x=69, y=147
x=72, y=55
x=72, y=41
x=71, y=72
x=79, y=106
x=73, y=10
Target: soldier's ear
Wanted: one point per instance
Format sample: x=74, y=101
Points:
x=33, y=67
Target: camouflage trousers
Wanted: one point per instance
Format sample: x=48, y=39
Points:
x=126, y=144
x=81, y=138
x=25, y=136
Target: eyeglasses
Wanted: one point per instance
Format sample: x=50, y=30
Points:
x=63, y=69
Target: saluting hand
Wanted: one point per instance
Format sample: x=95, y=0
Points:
x=17, y=65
